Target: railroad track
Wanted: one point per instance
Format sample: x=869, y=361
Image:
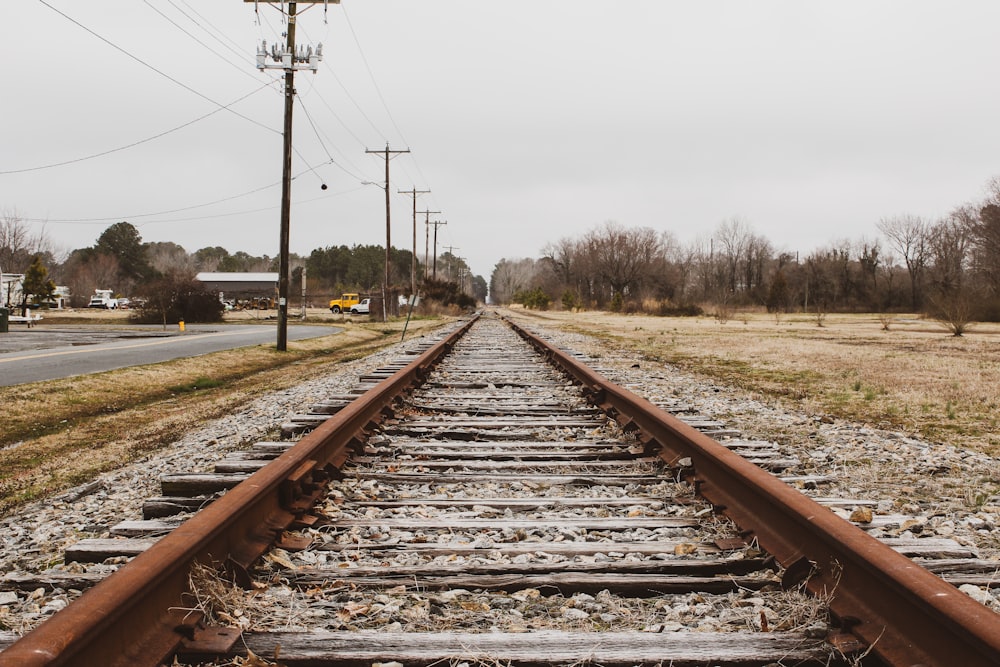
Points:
x=504, y=511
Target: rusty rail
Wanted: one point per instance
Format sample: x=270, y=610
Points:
x=140, y=614
x=905, y=614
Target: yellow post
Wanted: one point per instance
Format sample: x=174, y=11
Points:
x=181, y=325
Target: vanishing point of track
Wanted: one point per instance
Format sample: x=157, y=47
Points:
x=476, y=469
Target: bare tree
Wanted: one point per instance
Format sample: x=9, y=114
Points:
x=19, y=243
x=908, y=235
x=949, y=244
x=510, y=277
x=86, y=271
x=952, y=297
x=684, y=261
x=623, y=256
x=168, y=257
x=869, y=261
x=733, y=238
x=985, y=229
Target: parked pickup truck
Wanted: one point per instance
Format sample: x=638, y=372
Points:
x=362, y=307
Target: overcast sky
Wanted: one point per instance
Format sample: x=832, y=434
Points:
x=530, y=120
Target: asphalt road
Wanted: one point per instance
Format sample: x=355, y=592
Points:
x=48, y=353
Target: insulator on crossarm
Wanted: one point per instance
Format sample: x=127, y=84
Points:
x=262, y=55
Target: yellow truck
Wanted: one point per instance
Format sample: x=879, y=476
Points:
x=344, y=303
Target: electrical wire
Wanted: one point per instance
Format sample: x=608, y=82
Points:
x=297, y=202
x=371, y=75
x=313, y=90
x=235, y=48
x=134, y=143
x=378, y=91
x=322, y=143
x=241, y=68
x=167, y=212
x=158, y=71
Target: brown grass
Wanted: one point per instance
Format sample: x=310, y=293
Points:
x=64, y=432
x=913, y=377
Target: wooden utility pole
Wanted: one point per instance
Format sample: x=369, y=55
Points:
x=286, y=191
x=427, y=241
x=289, y=61
x=436, y=223
x=413, y=259
x=388, y=230
x=451, y=260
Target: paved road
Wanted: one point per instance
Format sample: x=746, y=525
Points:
x=48, y=353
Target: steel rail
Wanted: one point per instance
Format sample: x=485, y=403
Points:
x=904, y=613
x=142, y=612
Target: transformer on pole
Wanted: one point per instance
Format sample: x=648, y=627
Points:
x=288, y=59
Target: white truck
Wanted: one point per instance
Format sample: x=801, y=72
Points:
x=361, y=308
x=102, y=299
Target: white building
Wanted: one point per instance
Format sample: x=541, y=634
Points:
x=10, y=289
x=11, y=293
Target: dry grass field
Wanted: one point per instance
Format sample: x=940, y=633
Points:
x=60, y=433
x=914, y=377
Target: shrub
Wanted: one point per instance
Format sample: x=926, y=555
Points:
x=569, y=300
x=173, y=298
x=535, y=299
x=616, y=303
x=445, y=293
x=667, y=309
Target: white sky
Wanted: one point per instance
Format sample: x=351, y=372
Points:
x=530, y=120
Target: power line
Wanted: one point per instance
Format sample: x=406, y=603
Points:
x=232, y=45
x=313, y=90
x=320, y=139
x=199, y=218
x=134, y=143
x=158, y=71
x=176, y=210
x=371, y=75
x=203, y=44
x=357, y=106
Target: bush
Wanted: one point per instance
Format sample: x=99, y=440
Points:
x=170, y=299
x=616, y=303
x=667, y=309
x=535, y=299
x=570, y=300
x=446, y=293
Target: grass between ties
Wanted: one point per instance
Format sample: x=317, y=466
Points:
x=61, y=433
x=914, y=377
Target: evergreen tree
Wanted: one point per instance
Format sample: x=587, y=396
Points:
x=37, y=284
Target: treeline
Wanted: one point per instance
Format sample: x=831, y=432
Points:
x=361, y=268
x=948, y=268
x=120, y=261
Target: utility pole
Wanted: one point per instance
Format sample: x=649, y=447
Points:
x=303, y=292
x=388, y=230
x=451, y=260
x=436, y=223
x=288, y=60
x=427, y=240
x=463, y=273
x=413, y=259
